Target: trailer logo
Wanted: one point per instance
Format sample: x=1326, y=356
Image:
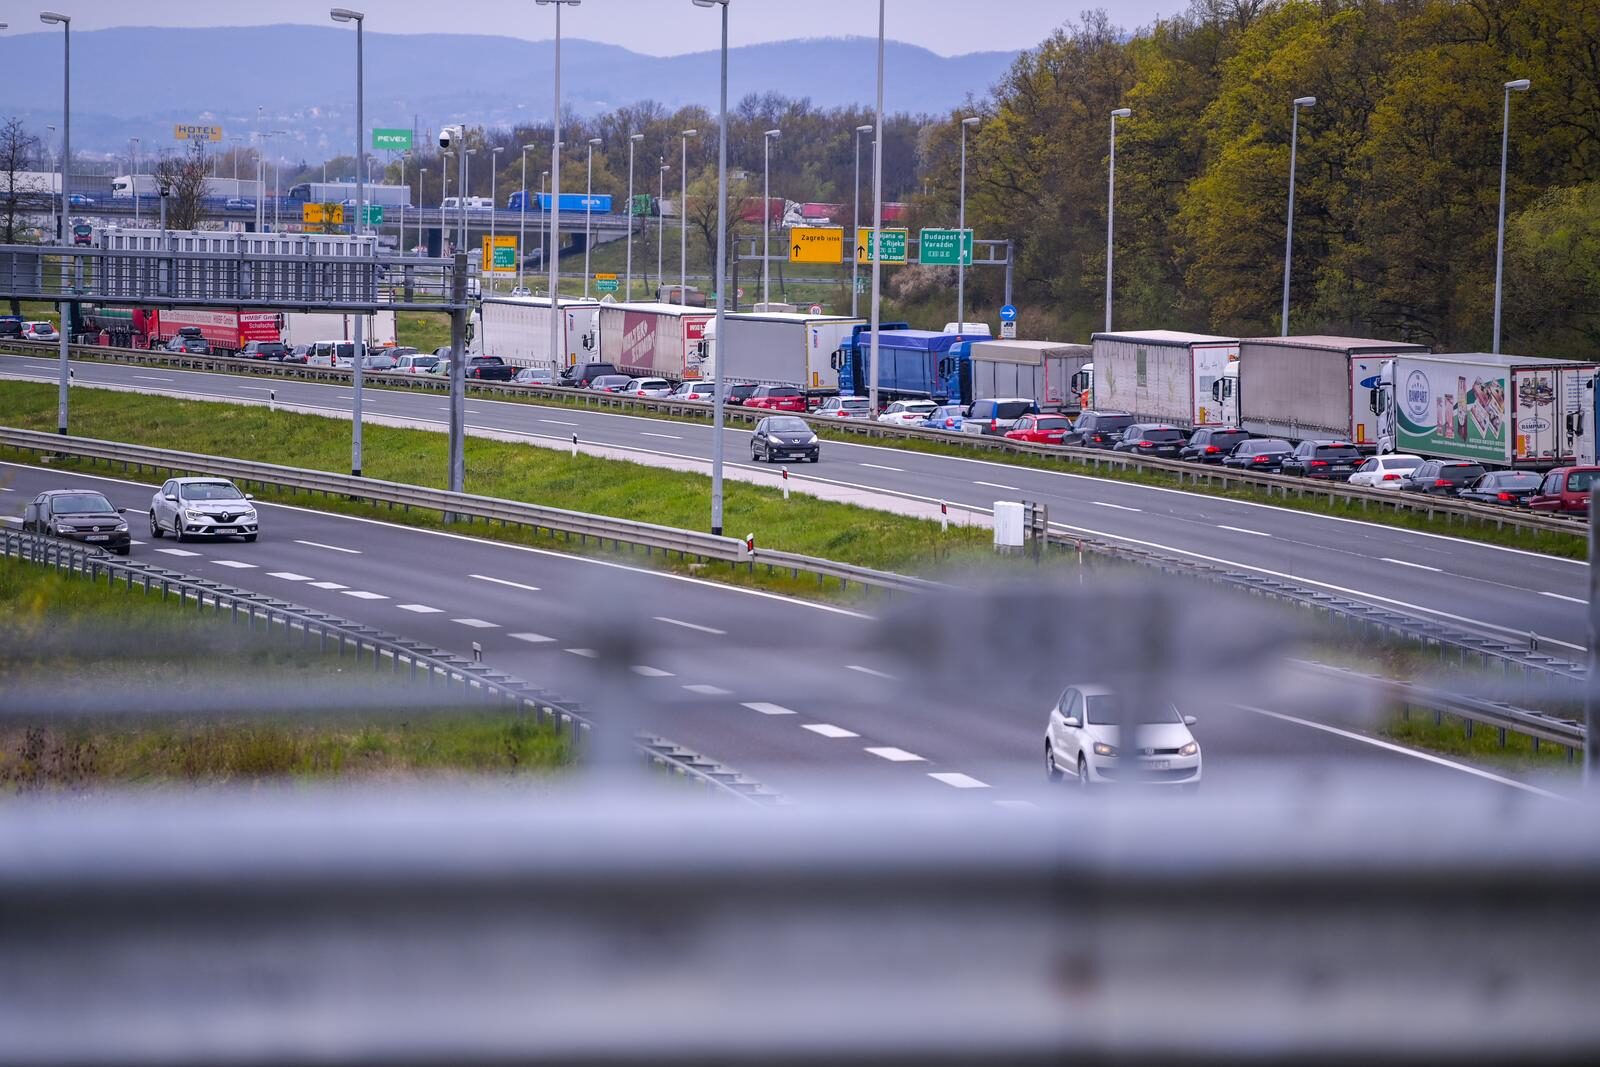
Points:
x=1418, y=394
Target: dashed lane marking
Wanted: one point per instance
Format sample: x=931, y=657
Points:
x=827, y=729
x=896, y=755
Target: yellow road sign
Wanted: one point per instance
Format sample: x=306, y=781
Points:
x=322, y=214
x=503, y=258
x=894, y=245
x=196, y=133
x=816, y=244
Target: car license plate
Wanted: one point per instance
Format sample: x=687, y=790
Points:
x=99, y=537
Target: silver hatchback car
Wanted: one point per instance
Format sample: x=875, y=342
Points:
x=202, y=507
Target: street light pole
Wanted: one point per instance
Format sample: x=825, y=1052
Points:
x=261, y=174
x=494, y=158
x=588, y=215
x=544, y=224
x=633, y=140
x=1518, y=86
x=877, y=223
x=135, y=142
x=1288, y=239
x=522, y=224
x=961, y=232
x=50, y=18
x=683, y=220
x=1111, y=207
x=855, y=223
x=466, y=186
x=557, y=354
x=359, y=356
x=766, y=216
x=720, y=281
x=661, y=224
x=51, y=153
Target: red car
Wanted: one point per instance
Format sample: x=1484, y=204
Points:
x=777, y=398
x=1565, y=491
x=1040, y=429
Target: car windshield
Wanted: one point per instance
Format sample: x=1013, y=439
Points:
x=853, y=404
x=209, y=491
x=268, y=346
x=1113, y=422
x=1579, y=481
x=1402, y=463
x=345, y=351
x=1051, y=424
x=790, y=425
x=741, y=390
x=1513, y=481
x=1461, y=472
x=1261, y=447
x=1165, y=435
x=921, y=407
x=1338, y=453
x=1229, y=438
x=1105, y=709
x=80, y=504
x=1011, y=409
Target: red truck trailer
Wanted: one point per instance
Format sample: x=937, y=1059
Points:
x=227, y=331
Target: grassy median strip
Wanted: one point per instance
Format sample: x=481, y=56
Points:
x=836, y=531
x=110, y=687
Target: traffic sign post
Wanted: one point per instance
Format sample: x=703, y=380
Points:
x=1008, y=323
x=502, y=258
x=894, y=245
x=816, y=244
x=945, y=248
x=1008, y=313
x=605, y=283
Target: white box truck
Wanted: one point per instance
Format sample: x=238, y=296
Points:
x=1040, y=370
x=1503, y=411
x=656, y=340
x=776, y=348
x=309, y=327
x=1313, y=386
x=517, y=329
x=1164, y=376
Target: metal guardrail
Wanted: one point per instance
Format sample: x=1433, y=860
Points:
x=1197, y=473
x=368, y=646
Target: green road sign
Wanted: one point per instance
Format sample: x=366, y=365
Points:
x=393, y=140
x=641, y=204
x=505, y=257
x=945, y=248
x=605, y=283
x=894, y=245
x=374, y=214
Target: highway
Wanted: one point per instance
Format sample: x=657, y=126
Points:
x=800, y=695
x=1493, y=590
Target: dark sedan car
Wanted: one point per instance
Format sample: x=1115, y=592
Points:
x=1262, y=454
x=782, y=436
x=78, y=515
x=1441, y=477
x=1333, y=461
x=1506, y=488
x=1098, y=429
x=1151, y=439
x=737, y=394
x=1211, y=444
x=263, y=350
x=191, y=346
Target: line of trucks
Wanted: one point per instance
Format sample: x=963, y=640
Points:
x=224, y=329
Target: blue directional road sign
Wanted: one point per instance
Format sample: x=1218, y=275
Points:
x=1008, y=313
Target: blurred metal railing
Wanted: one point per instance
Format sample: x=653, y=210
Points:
x=368, y=648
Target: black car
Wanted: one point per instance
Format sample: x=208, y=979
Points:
x=489, y=369
x=263, y=350
x=1333, y=461
x=1506, y=488
x=1442, y=477
x=78, y=515
x=583, y=373
x=783, y=436
x=192, y=346
x=1151, y=439
x=1098, y=429
x=738, y=394
x=1261, y=454
x=1211, y=444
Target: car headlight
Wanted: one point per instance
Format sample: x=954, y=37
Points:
x=1103, y=749
x=194, y=516
x=1191, y=749
x=811, y=440
x=62, y=527
x=122, y=527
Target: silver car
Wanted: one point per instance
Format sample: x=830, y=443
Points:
x=1084, y=739
x=202, y=507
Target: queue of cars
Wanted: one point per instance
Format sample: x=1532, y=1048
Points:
x=186, y=508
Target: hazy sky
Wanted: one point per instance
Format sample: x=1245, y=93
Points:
x=657, y=27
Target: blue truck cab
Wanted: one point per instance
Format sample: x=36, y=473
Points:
x=909, y=363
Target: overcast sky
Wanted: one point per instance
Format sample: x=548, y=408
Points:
x=656, y=27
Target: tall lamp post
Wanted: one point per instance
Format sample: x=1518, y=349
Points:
x=522, y=222
x=683, y=220
x=556, y=352
x=1518, y=86
x=633, y=141
x=51, y=18
x=855, y=222
x=961, y=231
x=134, y=142
x=721, y=279
x=1288, y=239
x=359, y=357
x=544, y=224
x=422, y=183
x=494, y=158
x=277, y=171
x=588, y=215
x=877, y=225
x=661, y=223
x=1111, y=207
x=766, y=216
x=466, y=186
x=50, y=152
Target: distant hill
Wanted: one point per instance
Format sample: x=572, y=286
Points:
x=138, y=81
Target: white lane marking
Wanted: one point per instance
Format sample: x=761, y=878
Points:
x=896, y=755
x=691, y=626
x=11, y=518
x=362, y=594
x=477, y=624
x=768, y=709
x=558, y=422
x=664, y=436
x=289, y=576
x=957, y=780
x=502, y=581
x=1558, y=596
x=152, y=377
x=708, y=690
x=330, y=548
x=420, y=609
x=586, y=653
x=1241, y=529
x=6, y=489
x=1119, y=507
x=1017, y=804
x=997, y=485
x=868, y=670
x=650, y=672
x=533, y=639
x=881, y=467
x=176, y=552
x=257, y=388
x=1406, y=563
x=1426, y=757
x=328, y=585
x=827, y=729
x=235, y=564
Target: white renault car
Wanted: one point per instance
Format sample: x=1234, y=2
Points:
x=202, y=507
x=1386, y=471
x=1083, y=739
